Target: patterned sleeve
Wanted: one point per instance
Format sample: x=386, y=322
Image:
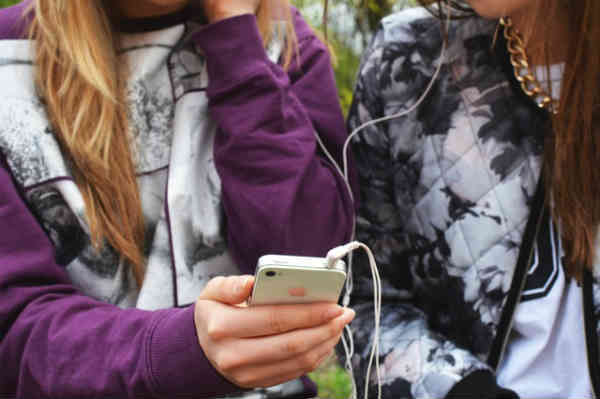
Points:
x=416, y=361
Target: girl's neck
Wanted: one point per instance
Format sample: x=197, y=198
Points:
x=135, y=9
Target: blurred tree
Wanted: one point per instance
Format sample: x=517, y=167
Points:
x=6, y=3
x=368, y=15
x=346, y=62
x=350, y=25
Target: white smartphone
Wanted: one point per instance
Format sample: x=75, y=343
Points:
x=283, y=279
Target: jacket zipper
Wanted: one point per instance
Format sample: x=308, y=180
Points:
x=591, y=335
x=538, y=211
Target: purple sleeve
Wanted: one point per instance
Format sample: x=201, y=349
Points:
x=280, y=194
x=13, y=22
x=56, y=342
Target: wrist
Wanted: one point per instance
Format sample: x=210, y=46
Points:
x=176, y=361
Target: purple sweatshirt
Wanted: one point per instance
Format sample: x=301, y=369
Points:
x=279, y=196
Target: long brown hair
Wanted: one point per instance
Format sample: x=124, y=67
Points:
x=572, y=149
x=79, y=78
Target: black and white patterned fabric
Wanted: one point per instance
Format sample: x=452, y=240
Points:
x=445, y=198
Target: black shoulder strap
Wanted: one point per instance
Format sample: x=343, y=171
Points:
x=536, y=215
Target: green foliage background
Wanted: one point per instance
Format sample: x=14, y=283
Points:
x=348, y=33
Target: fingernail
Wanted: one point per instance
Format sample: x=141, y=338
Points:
x=350, y=314
x=332, y=313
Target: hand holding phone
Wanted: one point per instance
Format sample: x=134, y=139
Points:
x=261, y=346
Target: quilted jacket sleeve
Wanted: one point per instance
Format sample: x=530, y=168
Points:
x=416, y=361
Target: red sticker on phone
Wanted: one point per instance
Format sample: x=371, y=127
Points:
x=297, y=291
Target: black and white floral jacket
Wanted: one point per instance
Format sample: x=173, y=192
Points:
x=446, y=195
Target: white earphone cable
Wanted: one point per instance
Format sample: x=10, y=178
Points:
x=347, y=249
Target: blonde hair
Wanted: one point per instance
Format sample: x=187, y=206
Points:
x=79, y=79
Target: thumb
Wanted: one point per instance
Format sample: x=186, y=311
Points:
x=231, y=290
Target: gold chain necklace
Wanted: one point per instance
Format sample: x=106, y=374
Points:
x=518, y=58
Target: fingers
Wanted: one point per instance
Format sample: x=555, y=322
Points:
x=277, y=372
x=263, y=346
x=262, y=321
x=230, y=290
x=253, y=352
x=276, y=348
x=291, y=376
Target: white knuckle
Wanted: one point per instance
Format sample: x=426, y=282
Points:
x=225, y=362
x=275, y=323
x=216, y=330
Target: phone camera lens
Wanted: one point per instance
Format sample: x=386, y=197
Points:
x=270, y=273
